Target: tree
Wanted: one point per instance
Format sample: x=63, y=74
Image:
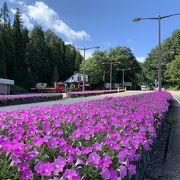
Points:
x=78, y=60
x=69, y=63
x=56, y=55
x=19, y=49
x=169, y=49
x=94, y=69
x=37, y=56
x=2, y=57
x=125, y=59
x=5, y=39
x=98, y=67
x=172, y=74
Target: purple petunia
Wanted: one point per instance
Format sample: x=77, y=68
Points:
x=59, y=164
x=44, y=168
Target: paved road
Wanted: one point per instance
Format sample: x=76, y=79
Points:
x=176, y=94
x=172, y=166
x=68, y=100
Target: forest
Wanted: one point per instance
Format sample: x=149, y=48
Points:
x=33, y=56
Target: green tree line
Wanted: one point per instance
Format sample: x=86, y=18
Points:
x=170, y=58
x=33, y=56
x=121, y=57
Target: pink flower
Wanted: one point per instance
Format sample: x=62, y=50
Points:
x=123, y=171
x=97, y=146
x=23, y=166
x=106, y=161
x=53, y=143
x=27, y=175
x=123, y=155
x=59, y=164
x=105, y=174
x=109, y=174
x=86, y=150
x=71, y=174
x=132, y=169
x=44, y=168
x=94, y=158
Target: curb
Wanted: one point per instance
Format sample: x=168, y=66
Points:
x=176, y=99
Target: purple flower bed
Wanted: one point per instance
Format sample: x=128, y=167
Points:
x=91, y=93
x=27, y=98
x=100, y=139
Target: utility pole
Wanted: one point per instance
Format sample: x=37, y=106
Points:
x=84, y=50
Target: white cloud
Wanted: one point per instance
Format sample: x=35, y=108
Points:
x=68, y=42
x=27, y=22
x=88, y=53
x=12, y=1
x=13, y=11
x=141, y=59
x=48, y=18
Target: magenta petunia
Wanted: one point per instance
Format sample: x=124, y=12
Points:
x=94, y=158
x=23, y=166
x=123, y=171
x=27, y=175
x=59, y=164
x=71, y=174
x=106, y=161
x=44, y=168
x=97, y=146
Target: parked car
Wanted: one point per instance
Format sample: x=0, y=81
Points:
x=145, y=88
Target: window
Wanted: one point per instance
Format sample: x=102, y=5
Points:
x=72, y=78
x=79, y=78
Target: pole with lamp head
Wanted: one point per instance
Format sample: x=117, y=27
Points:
x=84, y=50
x=159, y=18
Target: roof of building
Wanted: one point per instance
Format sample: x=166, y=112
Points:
x=70, y=80
x=6, y=81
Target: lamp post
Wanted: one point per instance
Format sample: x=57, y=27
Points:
x=159, y=18
x=85, y=49
x=123, y=75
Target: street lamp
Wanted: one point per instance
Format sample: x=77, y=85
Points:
x=159, y=41
x=123, y=75
x=111, y=63
x=85, y=49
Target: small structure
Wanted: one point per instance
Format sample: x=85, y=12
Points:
x=76, y=81
x=5, y=85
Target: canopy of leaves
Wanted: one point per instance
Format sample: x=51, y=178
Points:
x=172, y=73
x=98, y=66
x=170, y=47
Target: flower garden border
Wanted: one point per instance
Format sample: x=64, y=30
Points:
x=29, y=99
x=91, y=93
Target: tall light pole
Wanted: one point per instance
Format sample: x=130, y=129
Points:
x=123, y=75
x=85, y=49
x=159, y=18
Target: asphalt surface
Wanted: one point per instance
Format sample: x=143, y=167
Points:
x=171, y=170
x=69, y=100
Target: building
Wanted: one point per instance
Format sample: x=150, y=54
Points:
x=5, y=85
x=76, y=80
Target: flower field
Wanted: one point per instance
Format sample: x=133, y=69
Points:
x=28, y=98
x=91, y=93
x=100, y=139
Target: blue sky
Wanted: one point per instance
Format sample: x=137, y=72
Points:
x=104, y=23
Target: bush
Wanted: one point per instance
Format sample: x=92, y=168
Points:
x=18, y=90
